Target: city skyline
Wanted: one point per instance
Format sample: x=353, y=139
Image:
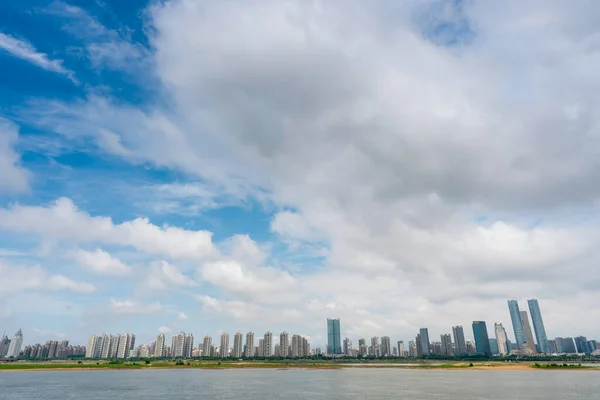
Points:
x=182, y=344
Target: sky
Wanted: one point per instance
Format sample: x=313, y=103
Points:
x=222, y=166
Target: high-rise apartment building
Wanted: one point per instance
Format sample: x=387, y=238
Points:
x=224, y=353
x=249, y=344
x=527, y=331
x=538, y=326
x=260, y=352
x=460, y=345
x=482, y=341
x=207, y=347
x=374, y=348
x=347, y=347
x=424, y=339
x=284, y=344
x=268, y=345
x=412, y=349
x=188, y=346
x=334, y=337
x=237, y=345
x=159, y=349
x=446, y=341
x=177, y=345
x=14, y=348
x=386, y=346
x=401, y=349
x=515, y=317
x=91, y=347
x=296, y=346
x=126, y=344
x=501, y=339
x=4, y=345
x=362, y=347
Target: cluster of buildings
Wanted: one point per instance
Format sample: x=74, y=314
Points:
x=524, y=344
x=528, y=341
x=182, y=346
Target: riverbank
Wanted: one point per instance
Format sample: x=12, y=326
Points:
x=91, y=366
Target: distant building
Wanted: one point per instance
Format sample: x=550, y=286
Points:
x=14, y=348
x=565, y=345
x=159, y=349
x=401, y=349
x=237, y=345
x=224, y=345
x=126, y=344
x=4, y=345
x=494, y=346
x=527, y=331
x=177, y=345
x=471, y=347
x=515, y=316
x=260, y=352
x=284, y=344
x=347, y=347
x=446, y=341
x=268, y=345
x=207, y=347
x=538, y=326
x=424, y=341
x=460, y=345
x=249, y=344
x=334, y=337
x=552, y=346
x=482, y=341
x=362, y=347
x=412, y=349
x=501, y=339
x=582, y=346
x=386, y=346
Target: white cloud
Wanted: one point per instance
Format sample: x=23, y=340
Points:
x=24, y=50
x=164, y=275
x=164, y=329
x=22, y=278
x=13, y=177
x=130, y=307
x=100, y=262
x=79, y=227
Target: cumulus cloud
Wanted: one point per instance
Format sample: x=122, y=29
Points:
x=62, y=220
x=24, y=278
x=164, y=275
x=13, y=177
x=131, y=307
x=445, y=169
x=100, y=262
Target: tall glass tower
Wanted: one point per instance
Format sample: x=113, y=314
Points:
x=482, y=340
x=334, y=337
x=515, y=316
x=538, y=326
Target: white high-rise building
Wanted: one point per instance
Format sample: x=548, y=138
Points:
x=237, y=345
x=159, y=350
x=284, y=344
x=126, y=344
x=177, y=345
x=386, y=346
x=268, y=345
x=224, y=352
x=501, y=338
x=91, y=347
x=401, y=349
x=249, y=344
x=188, y=345
x=207, y=347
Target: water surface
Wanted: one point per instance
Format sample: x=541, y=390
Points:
x=292, y=384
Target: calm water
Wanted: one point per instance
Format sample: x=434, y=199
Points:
x=259, y=384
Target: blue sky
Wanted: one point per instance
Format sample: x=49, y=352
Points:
x=208, y=167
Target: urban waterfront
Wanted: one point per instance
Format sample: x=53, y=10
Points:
x=255, y=384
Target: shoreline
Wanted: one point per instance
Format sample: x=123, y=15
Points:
x=451, y=367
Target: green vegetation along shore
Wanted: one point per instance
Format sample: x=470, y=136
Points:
x=96, y=365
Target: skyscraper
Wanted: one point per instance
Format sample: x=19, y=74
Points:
x=4, y=345
x=14, y=349
x=581, y=344
x=284, y=344
x=268, y=345
x=249, y=344
x=446, y=340
x=482, y=341
x=347, y=348
x=224, y=353
x=459, y=339
x=386, y=346
x=207, y=346
x=515, y=317
x=188, y=345
x=527, y=331
x=177, y=345
x=538, y=326
x=91, y=347
x=126, y=344
x=237, y=345
x=159, y=349
x=424, y=341
x=261, y=348
x=401, y=350
x=501, y=338
x=362, y=347
x=334, y=337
